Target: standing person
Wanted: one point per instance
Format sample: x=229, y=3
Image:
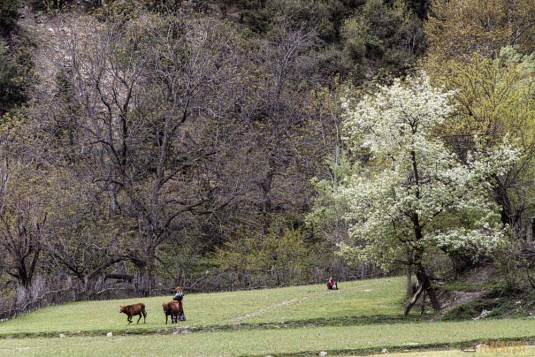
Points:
x=332, y=284
x=179, y=296
x=179, y=293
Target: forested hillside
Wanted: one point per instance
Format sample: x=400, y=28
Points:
x=245, y=143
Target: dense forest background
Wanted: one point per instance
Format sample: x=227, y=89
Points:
x=145, y=143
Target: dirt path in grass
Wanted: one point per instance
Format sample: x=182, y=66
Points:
x=270, y=308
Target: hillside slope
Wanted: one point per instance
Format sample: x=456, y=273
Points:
x=380, y=298
x=361, y=318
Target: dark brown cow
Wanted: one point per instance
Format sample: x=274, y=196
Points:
x=172, y=308
x=133, y=310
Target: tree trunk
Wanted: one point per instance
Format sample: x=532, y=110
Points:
x=408, y=291
x=147, y=280
x=425, y=285
x=509, y=214
x=422, y=304
x=413, y=301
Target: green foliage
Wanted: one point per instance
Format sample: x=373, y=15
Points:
x=324, y=17
x=160, y=116
x=9, y=13
x=397, y=200
x=467, y=311
x=258, y=20
x=494, y=94
x=184, y=257
x=283, y=255
x=381, y=38
x=495, y=98
x=374, y=36
x=123, y=10
x=419, y=7
x=316, y=16
x=11, y=88
x=327, y=216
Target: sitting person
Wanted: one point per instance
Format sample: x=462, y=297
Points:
x=332, y=284
x=179, y=293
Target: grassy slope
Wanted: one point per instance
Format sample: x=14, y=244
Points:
x=322, y=320
x=360, y=298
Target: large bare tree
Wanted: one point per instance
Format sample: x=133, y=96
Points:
x=145, y=92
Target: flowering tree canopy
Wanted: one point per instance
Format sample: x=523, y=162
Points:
x=415, y=194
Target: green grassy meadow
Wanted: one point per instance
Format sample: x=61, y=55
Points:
x=381, y=297
x=361, y=318
x=528, y=351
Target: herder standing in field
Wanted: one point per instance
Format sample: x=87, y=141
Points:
x=179, y=296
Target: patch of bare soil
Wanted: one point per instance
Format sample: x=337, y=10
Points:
x=472, y=287
x=453, y=299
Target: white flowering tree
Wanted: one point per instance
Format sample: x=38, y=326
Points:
x=415, y=196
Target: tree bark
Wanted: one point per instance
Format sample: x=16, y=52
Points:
x=413, y=301
x=408, y=291
x=425, y=285
x=424, y=280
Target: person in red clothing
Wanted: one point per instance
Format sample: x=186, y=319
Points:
x=332, y=284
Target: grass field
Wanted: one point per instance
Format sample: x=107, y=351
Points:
x=260, y=342
x=361, y=318
x=381, y=297
x=528, y=351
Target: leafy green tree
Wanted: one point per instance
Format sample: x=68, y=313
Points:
x=274, y=258
x=494, y=98
x=327, y=216
x=401, y=200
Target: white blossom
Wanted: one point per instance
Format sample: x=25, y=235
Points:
x=420, y=183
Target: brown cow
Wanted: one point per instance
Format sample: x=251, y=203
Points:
x=172, y=308
x=133, y=310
